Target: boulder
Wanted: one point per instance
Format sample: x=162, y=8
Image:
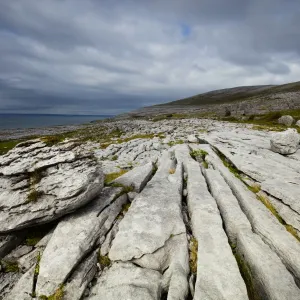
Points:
x=39, y=183
x=298, y=123
x=192, y=139
x=286, y=120
x=285, y=142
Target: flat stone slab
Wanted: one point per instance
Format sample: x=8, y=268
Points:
x=233, y=217
x=218, y=275
x=154, y=215
x=127, y=282
x=268, y=276
x=137, y=177
x=262, y=220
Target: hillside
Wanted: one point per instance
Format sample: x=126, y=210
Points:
x=238, y=101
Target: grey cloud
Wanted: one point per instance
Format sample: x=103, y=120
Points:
x=94, y=56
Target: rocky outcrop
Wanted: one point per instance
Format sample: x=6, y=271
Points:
x=204, y=209
x=286, y=142
x=39, y=183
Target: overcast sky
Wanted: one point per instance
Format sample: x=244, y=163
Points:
x=107, y=57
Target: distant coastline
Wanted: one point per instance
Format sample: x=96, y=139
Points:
x=23, y=121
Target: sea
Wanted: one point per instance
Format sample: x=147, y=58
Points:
x=18, y=121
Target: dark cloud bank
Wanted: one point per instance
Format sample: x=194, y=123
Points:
x=106, y=57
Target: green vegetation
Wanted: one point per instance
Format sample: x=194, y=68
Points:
x=235, y=94
x=37, y=266
x=198, y=153
x=115, y=157
x=125, y=207
x=229, y=165
x=267, y=121
x=104, y=261
x=273, y=210
x=247, y=276
x=177, y=142
x=36, y=176
x=193, y=255
x=10, y=266
x=32, y=241
x=125, y=188
x=255, y=188
x=5, y=146
x=34, y=195
x=58, y=295
x=51, y=140
x=112, y=176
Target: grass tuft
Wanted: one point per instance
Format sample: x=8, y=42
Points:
x=177, y=142
x=196, y=154
x=10, y=266
x=34, y=195
x=51, y=140
x=112, y=176
x=254, y=188
x=58, y=295
x=193, y=255
x=172, y=171
x=104, y=261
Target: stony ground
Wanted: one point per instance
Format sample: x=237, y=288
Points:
x=178, y=209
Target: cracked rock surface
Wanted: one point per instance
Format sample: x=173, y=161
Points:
x=188, y=209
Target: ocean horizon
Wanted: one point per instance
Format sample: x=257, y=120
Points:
x=21, y=121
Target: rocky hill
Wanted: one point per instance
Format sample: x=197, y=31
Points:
x=239, y=101
x=135, y=209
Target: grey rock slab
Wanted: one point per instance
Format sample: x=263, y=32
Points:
x=8, y=243
x=262, y=220
x=82, y=276
x=60, y=189
x=287, y=192
x=290, y=216
x=127, y=282
x=233, y=217
x=7, y=282
x=286, y=142
x=286, y=120
x=18, y=252
x=105, y=246
x=28, y=260
x=258, y=167
x=173, y=258
x=131, y=196
x=137, y=177
x=23, y=288
x=270, y=278
x=218, y=275
x=79, y=232
x=154, y=215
